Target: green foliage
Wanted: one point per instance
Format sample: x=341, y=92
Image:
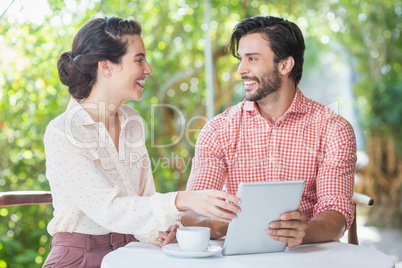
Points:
x=24, y=241
x=174, y=35
x=372, y=34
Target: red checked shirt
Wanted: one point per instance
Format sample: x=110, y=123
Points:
x=310, y=142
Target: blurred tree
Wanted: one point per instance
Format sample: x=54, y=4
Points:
x=372, y=34
x=173, y=104
x=28, y=99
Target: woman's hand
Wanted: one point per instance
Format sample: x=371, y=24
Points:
x=168, y=236
x=214, y=204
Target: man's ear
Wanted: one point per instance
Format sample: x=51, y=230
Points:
x=105, y=68
x=285, y=66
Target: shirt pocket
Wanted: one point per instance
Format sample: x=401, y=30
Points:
x=104, y=159
x=137, y=157
x=107, y=163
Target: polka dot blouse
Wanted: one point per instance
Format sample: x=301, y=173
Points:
x=97, y=189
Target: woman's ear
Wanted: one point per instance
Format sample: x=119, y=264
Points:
x=105, y=68
x=285, y=66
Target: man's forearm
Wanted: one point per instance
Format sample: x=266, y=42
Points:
x=327, y=226
x=218, y=228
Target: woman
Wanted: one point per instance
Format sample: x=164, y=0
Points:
x=97, y=164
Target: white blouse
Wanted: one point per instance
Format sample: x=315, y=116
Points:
x=97, y=189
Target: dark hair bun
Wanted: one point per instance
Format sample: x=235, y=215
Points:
x=70, y=76
x=98, y=40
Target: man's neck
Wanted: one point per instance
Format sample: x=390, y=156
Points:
x=274, y=106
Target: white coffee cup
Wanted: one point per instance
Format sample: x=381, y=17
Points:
x=193, y=239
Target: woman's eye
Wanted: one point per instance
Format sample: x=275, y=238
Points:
x=251, y=59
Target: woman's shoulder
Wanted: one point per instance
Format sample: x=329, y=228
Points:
x=55, y=130
x=58, y=122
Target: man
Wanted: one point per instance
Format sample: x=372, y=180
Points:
x=278, y=134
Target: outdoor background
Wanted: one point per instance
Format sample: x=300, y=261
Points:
x=352, y=64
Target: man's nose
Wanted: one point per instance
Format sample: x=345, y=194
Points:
x=243, y=69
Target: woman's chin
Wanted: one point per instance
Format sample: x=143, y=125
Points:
x=137, y=97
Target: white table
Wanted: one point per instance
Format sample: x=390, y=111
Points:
x=327, y=255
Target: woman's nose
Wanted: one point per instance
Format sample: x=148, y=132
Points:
x=148, y=69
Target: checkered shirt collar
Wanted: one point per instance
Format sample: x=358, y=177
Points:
x=299, y=104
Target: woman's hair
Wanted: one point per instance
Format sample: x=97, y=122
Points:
x=284, y=38
x=99, y=39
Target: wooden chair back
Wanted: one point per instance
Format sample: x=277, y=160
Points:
x=14, y=198
x=43, y=197
x=363, y=200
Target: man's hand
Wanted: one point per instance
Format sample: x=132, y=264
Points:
x=291, y=229
x=168, y=236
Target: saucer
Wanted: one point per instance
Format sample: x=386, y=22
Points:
x=175, y=250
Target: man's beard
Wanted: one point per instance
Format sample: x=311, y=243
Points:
x=270, y=82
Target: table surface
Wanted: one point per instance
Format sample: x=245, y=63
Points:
x=328, y=255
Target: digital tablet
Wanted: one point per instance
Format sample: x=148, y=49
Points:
x=261, y=203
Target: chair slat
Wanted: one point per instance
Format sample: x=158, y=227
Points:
x=15, y=198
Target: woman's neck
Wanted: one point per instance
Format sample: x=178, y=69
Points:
x=105, y=110
x=101, y=109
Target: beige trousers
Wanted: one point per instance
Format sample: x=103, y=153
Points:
x=82, y=250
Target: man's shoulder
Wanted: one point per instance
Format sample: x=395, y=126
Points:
x=231, y=116
x=324, y=114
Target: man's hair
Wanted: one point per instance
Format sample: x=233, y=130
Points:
x=284, y=38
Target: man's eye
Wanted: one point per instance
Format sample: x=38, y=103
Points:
x=240, y=60
x=251, y=59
